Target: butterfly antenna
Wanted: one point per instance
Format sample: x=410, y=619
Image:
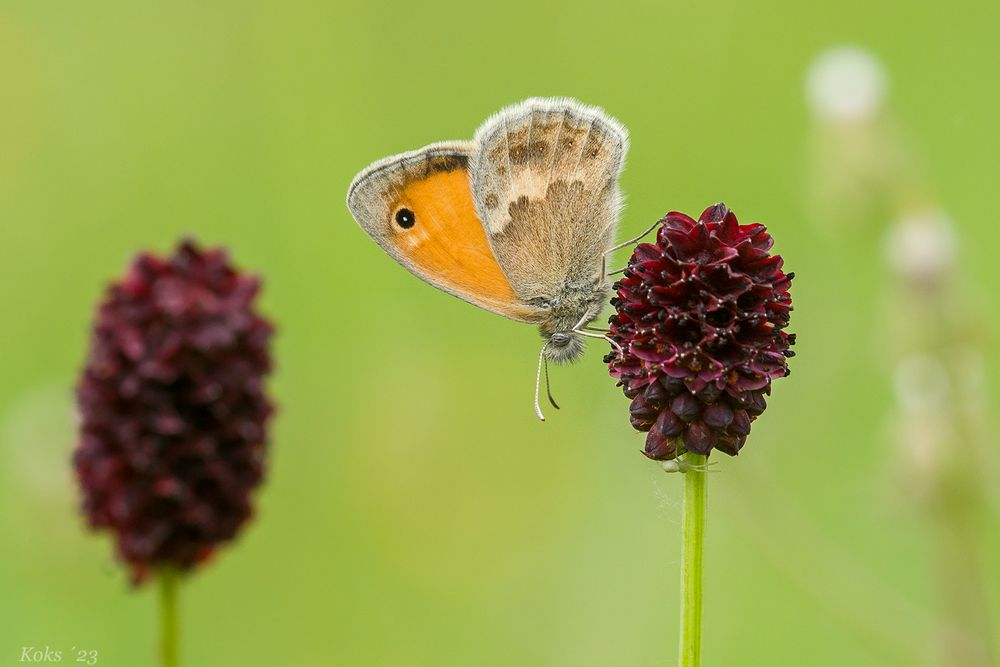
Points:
x=538, y=381
x=548, y=389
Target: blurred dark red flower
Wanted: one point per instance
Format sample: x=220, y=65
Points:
x=700, y=318
x=173, y=410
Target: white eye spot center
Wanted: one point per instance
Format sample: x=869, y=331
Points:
x=405, y=218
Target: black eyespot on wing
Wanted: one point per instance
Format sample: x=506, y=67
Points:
x=405, y=218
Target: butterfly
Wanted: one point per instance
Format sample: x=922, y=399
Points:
x=518, y=221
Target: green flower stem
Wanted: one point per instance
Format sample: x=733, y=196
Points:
x=169, y=581
x=695, y=493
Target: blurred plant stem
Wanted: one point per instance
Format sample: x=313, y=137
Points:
x=169, y=580
x=942, y=452
x=957, y=523
x=864, y=175
x=693, y=531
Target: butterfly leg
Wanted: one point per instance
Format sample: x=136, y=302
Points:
x=580, y=329
x=589, y=334
x=604, y=257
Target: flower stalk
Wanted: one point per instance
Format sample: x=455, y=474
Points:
x=699, y=337
x=692, y=550
x=174, y=416
x=169, y=635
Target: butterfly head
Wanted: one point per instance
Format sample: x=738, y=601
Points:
x=563, y=331
x=564, y=346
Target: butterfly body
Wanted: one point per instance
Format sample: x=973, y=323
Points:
x=517, y=221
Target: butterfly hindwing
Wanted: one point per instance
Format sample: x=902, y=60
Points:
x=545, y=185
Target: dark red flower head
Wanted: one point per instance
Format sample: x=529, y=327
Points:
x=173, y=408
x=700, y=319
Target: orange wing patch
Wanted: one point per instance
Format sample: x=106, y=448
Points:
x=435, y=227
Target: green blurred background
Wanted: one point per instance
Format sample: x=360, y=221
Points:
x=416, y=513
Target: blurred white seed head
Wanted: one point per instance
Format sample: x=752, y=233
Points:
x=846, y=84
x=921, y=247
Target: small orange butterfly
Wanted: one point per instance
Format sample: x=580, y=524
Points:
x=518, y=221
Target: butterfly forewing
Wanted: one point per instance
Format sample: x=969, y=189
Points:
x=419, y=208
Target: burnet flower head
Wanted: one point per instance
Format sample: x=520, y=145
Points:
x=700, y=320
x=173, y=409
